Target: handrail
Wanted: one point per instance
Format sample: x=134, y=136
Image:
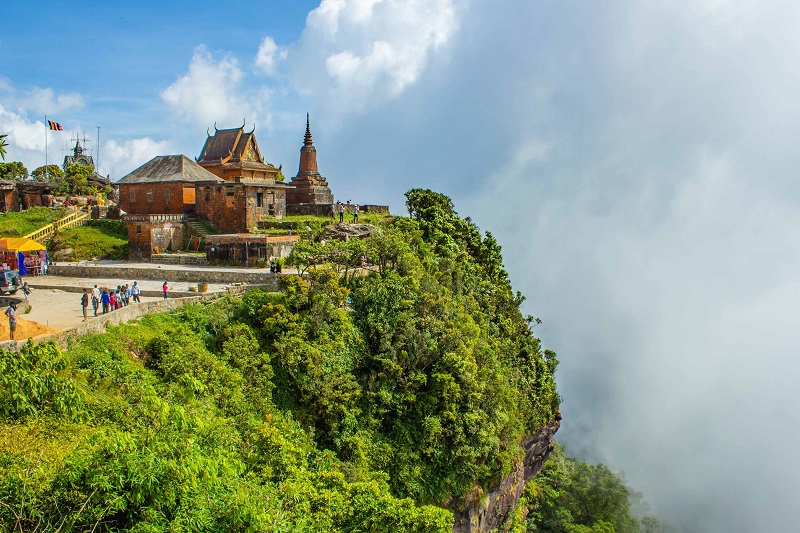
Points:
x=75, y=218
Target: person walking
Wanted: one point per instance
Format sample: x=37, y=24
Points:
x=11, y=313
x=95, y=299
x=341, y=212
x=135, y=291
x=355, y=214
x=105, y=299
x=165, y=288
x=85, y=304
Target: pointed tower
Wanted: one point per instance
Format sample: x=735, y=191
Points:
x=309, y=186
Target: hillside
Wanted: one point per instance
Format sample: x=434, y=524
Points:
x=350, y=401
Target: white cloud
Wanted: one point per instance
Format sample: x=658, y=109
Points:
x=359, y=53
x=46, y=101
x=122, y=157
x=23, y=133
x=39, y=101
x=268, y=56
x=212, y=91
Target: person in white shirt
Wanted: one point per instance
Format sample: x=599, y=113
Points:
x=95, y=299
x=135, y=291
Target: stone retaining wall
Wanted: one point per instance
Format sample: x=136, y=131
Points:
x=179, y=259
x=89, y=284
x=98, y=324
x=252, y=277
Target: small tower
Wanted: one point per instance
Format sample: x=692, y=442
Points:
x=78, y=157
x=309, y=185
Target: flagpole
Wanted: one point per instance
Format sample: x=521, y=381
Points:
x=46, y=174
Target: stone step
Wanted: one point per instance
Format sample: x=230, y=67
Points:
x=179, y=259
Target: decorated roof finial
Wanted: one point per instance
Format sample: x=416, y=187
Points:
x=308, y=141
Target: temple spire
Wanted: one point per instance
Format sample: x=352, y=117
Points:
x=308, y=141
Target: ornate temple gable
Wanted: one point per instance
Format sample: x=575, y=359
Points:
x=230, y=146
x=250, y=151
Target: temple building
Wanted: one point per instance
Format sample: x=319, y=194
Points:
x=311, y=194
x=251, y=191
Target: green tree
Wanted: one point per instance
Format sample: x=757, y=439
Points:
x=76, y=180
x=570, y=496
x=3, y=144
x=14, y=170
x=48, y=173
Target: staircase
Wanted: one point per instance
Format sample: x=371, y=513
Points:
x=200, y=229
x=76, y=218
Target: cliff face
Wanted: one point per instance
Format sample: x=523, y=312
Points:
x=489, y=513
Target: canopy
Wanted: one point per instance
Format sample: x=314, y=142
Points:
x=20, y=244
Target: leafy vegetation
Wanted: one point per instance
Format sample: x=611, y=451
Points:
x=47, y=173
x=17, y=224
x=3, y=145
x=570, y=496
x=14, y=171
x=356, y=399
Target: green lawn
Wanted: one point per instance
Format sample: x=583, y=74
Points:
x=99, y=239
x=17, y=224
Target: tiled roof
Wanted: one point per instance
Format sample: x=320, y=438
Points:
x=169, y=168
x=228, y=146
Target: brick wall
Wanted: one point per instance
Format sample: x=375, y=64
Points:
x=154, y=198
x=223, y=206
x=145, y=235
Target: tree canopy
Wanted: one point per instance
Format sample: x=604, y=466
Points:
x=48, y=173
x=14, y=171
x=3, y=145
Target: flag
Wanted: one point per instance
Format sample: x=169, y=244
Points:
x=55, y=126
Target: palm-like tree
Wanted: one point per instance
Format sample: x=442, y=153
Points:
x=3, y=145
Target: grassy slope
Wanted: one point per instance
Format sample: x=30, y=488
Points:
x=17, y=224
x=97, y=240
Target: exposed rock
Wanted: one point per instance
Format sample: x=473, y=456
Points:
x=343, y=230
x=489, y=513
x=63, y=254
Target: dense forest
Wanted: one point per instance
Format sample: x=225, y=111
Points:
x=356, y=399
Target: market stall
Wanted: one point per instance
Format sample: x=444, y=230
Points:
x=25, y=255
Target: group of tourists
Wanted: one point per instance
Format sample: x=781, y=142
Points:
x=107, y=300
x=340, y=208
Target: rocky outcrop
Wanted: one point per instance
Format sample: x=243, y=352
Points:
x=343, y=230
x=490, y=512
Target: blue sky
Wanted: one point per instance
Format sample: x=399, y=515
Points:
x=636, y=161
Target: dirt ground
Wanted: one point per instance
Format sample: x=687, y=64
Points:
x=25, y=329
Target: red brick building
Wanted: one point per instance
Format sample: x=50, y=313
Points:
x=165, y=185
